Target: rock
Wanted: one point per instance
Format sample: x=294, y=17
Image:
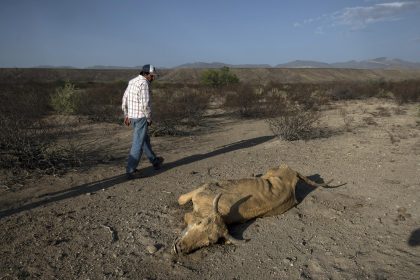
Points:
x=151, y=249
x=288, y=261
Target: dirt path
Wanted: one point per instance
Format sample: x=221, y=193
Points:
x=96, y=225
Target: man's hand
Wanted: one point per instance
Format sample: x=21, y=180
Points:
x=127, y=121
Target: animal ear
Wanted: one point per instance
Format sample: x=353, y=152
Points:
x=216, y=204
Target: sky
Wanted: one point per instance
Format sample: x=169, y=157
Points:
x=83, y=33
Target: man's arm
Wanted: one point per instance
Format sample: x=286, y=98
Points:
x=145, y=102
x=124, y=107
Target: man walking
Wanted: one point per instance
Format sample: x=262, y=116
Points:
x=136, y=105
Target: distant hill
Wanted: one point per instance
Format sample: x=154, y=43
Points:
x=192, y=75
x=199, y=65
x=377, y=63
x=295, y=75
x=54, y=67
x=112, y=67
x=205, y=65
x=304, y=64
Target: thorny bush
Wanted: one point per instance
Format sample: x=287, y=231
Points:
x=30, y=132
x=245, y=99
x=295, y=123
x=65, y=99
x=406, y=91
x=21, y=112
x=175, y=109
x=101, y=102
x=268, y=102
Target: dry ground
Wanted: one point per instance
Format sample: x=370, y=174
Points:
x=95, y=225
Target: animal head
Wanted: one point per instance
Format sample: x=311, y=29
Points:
x=203, y=232
x=281, y=171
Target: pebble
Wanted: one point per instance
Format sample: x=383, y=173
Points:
x=288, y=261
x=151, y=249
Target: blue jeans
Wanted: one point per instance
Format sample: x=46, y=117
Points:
x=141, y=142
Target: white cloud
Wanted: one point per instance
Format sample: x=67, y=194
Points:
x=320, y=30
x=360, y=17
x=310, y=21
x=415, y=40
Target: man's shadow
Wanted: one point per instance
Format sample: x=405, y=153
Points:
x=145, y=172
x=301, y=192
x=68, y=193
x=243, y=144
x=414, y=239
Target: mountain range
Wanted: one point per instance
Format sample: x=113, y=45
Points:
x=377, y=63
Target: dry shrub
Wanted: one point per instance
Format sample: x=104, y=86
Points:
x=295, y=112
x=401, y=91
x=399, y=110
x=393, y=138
x=406, y=91
x=174, y=109
x=280, y=102
x=353, y=90
x=347, y=119
x=26, y=137
x=46, y=146
x=27, y=100
x=21, y=109
x=274, y=103
x=295, y=124
x=101, y=102
x=291, y=114
x=309, y=96
x=382, y=112
x=256, y=102
x=245, y=99
x=370, y=121
x=29, y=135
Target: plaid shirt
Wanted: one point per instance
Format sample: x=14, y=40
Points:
x=136, y=100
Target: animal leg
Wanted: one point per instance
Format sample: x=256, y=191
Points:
x=188, y=196
x=188, y=217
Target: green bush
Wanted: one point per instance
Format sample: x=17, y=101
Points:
x=66, y=99
x=219, y=78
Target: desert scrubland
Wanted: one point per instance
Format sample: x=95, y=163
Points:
x=67, y=211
